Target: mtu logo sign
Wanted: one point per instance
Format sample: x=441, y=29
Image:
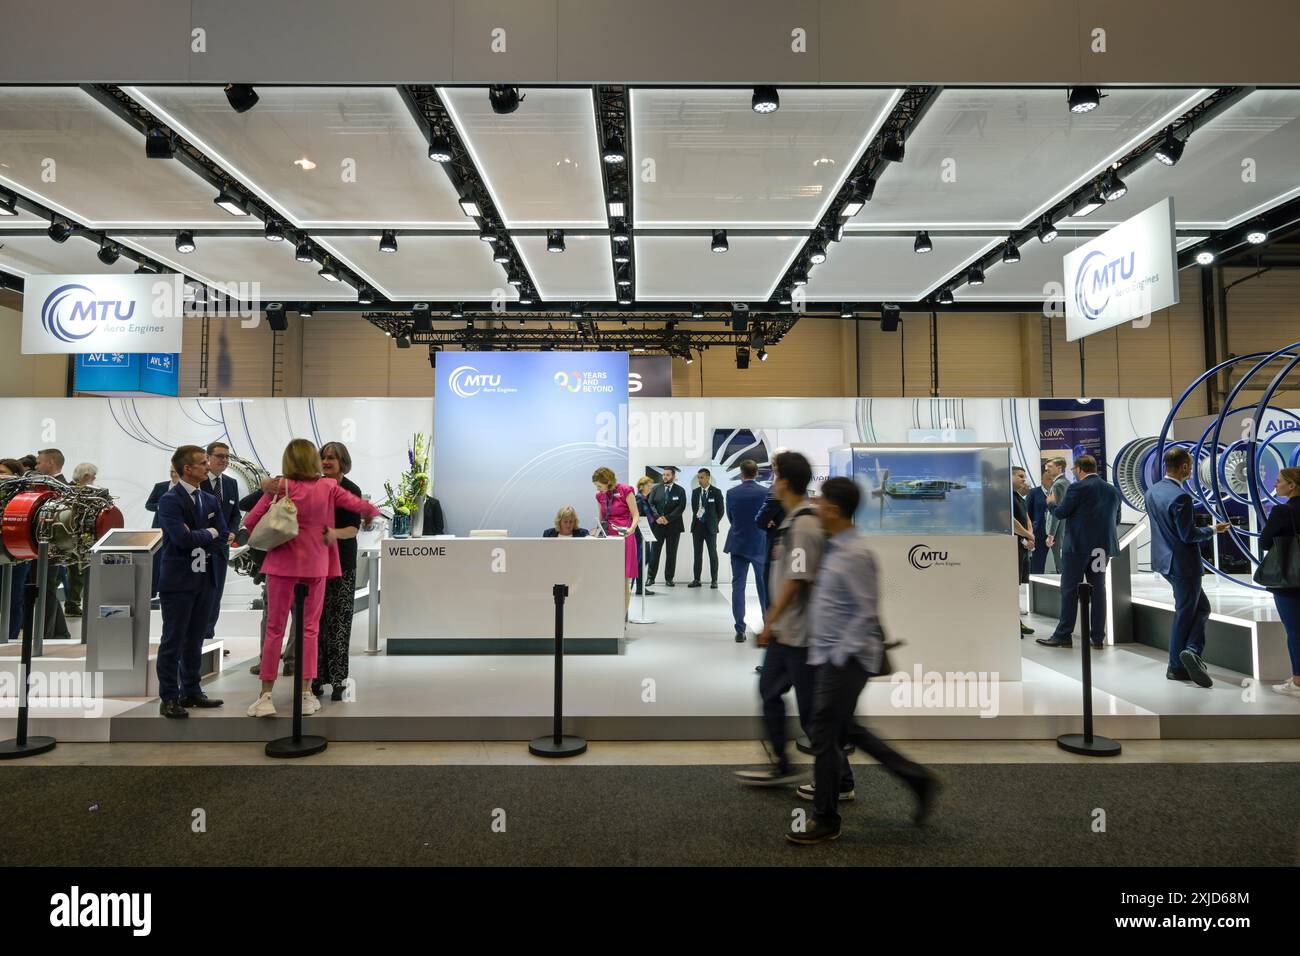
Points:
x=467, y=381
x=1098, y=274
x=72, y=312
x=923, y=557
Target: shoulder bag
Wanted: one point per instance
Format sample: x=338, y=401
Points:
x=1281, y=565
x=278, y=525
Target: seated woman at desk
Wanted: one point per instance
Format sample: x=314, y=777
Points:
x=566, y=525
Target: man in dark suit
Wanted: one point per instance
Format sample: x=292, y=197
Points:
x=668, y=500
x=433, y=523
x=707, y=509
x=1036, y=502
x=194, y=531
x=151, y=505
x=1176, y=554
x=1090, y=511
x=746, y=543
x=222, y=487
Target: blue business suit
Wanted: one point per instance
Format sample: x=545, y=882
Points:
x=1176, y=554
x=186, y=582
x=229, y=501
x=1036, y=502
x=1090, y=510
x=151, y=505
x=747, y=546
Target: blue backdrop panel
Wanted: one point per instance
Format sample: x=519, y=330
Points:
x=121, y=373
x=518, y=434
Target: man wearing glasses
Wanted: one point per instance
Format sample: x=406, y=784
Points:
x=222, y=487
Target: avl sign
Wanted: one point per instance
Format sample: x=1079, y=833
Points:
x=1125, y=273
x=114, y=314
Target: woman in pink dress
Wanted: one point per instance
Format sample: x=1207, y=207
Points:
x=618, y=516
x=308, y=558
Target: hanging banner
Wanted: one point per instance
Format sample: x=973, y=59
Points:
x=124, y=374
x=650, y=376
x=131, y=314
x=1070, y=427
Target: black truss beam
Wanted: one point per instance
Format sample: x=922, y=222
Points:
x=612, y=112
x=1276, y=222
x=431, y=115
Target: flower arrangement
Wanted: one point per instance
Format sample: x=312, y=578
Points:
x=414, y=483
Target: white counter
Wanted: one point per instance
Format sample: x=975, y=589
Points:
x=494, y=595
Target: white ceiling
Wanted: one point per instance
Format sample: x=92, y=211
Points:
x=584, y=271
x=38, y=255
x=866, y=267
x=426, y=267
x=684, y=268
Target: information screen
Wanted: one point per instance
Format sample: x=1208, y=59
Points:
x=129, y=540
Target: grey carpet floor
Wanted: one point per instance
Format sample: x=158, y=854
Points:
x=1242, y=814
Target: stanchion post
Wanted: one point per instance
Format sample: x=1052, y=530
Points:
x=372, y=603
x=298, y=745
x=557, y=744
x=43, y=583
x=22, y=745
x=1087, y=743
x=6, y=600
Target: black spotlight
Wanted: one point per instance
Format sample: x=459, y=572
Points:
x=614, y=151
x=487, y=234
x=403, y=340
x=765, y=100
x=275, y=317
x=945, y=296
x=817, y=252
x=1011, y=252
x=504, y=99
x=142, y=270
x=739, y=321
x=440, y=149
x=621, y=254
x=975, y=276
x=500, y=253
x=742, y=357
x=185, y=241
x=889, y=318
x=624, y=277
x=1112, y=187
x=303, y=252
x=1170, y=151
x=231, y=203
x=365, y=295
x=108, y=253
x=618, y=231
x=892, y=148
x=799, y=276
x=555, y=240
x=1084, y=99
x=720, y=243
x=305, y=310
x=922, y=244
x=59, y=231
x=1046, y=230
x=242, y=97
x=273, y=231
x=158, y=144
x=388, y=241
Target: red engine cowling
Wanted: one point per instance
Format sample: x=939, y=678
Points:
x=20, y=517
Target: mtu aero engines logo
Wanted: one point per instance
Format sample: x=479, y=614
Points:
x=467, y=381
x=72, y=312
x=1097, y=276
x=921, y=557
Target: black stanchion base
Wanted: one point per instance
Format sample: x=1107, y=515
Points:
x=13, y=750
x=1096, y=747
x=304, y=746
x=567, y=747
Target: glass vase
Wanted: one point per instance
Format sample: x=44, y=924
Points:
x=401, y=525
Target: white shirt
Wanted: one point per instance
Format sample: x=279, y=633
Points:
x=191, y=490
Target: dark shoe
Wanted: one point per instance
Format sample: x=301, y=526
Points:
x=670, y=584
x=318, y=688
x=1098, y=644
x=740, y=636
x=771, y=777
x=649, y=593
x=1025, y=630
x=225, y=652
x=927, y=789
x=714, y=585
x=202, y=701
x=813, y=832
x=172, y=708
x=1177, y=673
x=257, y=604
x=1055, y=642
x=650, y=583
x=1195, y=668
x=337, y=692
x=758, y=669
x=693, y=584
x=71, y=610
x=256, y=668
x=288, y=668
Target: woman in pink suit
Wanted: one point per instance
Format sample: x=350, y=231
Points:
x=308, y=558
x=618, y=516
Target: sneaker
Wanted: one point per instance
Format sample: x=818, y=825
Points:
x=1025, y=629
x=1195, y=668
x=812, y=832
x=693, y=584
x=71, y=610
x=1177, y=673
x=808, y=792
x=310, y=703
x=262, y=707
x=1288, y=687
x=770, y=777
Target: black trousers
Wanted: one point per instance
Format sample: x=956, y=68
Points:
x=835, y=698
x=668, y=541
x=784, y=667
x=702, y=538
x=335, y=637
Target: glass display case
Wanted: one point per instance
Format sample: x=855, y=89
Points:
x=957, y=489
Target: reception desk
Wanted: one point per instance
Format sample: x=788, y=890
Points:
x=494, y=595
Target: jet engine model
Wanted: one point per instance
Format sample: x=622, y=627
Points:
x=38, y=508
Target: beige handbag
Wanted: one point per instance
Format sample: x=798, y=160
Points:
x=278, y=525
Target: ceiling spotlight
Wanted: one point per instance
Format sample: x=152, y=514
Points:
x=59, y=232
x=614, y=152
x=469, y=205
x=1204, y=258
x=1084, y=99
x=742, y=357
x=784, y=298
x=516, y=279
x=440, y=148
x=765, y=100
x=621, y=254
x=762, y=355
x=185, y=241
x=1046, y=230
x=525, y=298
x=458, y=312
x=142, y=270
x=889, y=318
x=857, y=198
x=107, y=253
x=690, y=359
x=945, y=296
x=817, y=252
x=504, y=99
x=1256, y=235
x=8, y=203
x=388, y=241
x=892, y=148
x=922, y=244
x=575, y=312
x=837, y=232
x=697, y=312
x=624, y=277
x=241, y=96
x=1011, y=252
x=275, y=317
x=273, y=231
x=618, y=231
x=158, y=144
x=402, y=340
x=555, y=240
x=1091, y=205
x=1170, y=151
x=231, y=203
x=617, y=208
x=365, y=295
x=720, y=243
x=303, y=252
x=500, y=253
x=328, y=272
x=487, y=234
x=1112, y=187
x=975, y=276
x=846, y=311
x=799, y=276
x=305, y=310
x=624, y=299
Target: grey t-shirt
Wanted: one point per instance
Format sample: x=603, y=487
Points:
x=796, y=557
